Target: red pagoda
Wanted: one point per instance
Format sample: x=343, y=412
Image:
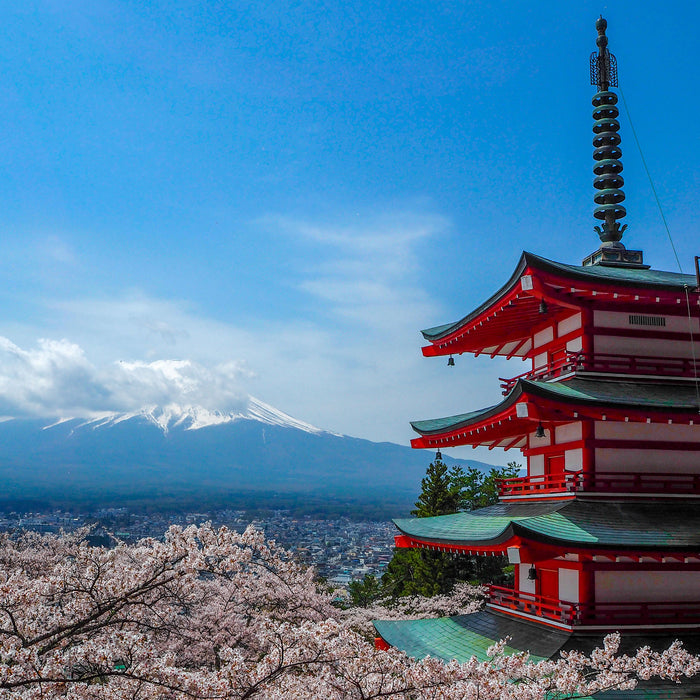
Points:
x=604, y=529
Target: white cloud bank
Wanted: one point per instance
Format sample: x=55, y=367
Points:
x=55, y=378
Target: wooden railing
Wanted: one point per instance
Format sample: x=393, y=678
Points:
x=532, y=604
x=543, y=484
x=611, y=364
x=659, y=483
x=613, y=614
x=603, y=614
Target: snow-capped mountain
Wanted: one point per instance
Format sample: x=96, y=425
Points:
x=192, y=417
x=177, y=453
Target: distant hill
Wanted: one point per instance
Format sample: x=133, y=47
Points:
x=189, y=454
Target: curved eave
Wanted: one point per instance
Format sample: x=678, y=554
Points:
x=503, y=323
x=445, y=330
x=478, y=427
x=529, y=402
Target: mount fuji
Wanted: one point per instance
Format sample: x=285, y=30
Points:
x=188, y=453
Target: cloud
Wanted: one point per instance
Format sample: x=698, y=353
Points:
x=184, y=382
x=370, y=273
x=50, y=378
x=56, y=378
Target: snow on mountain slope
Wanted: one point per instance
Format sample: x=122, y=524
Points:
x=196, y=417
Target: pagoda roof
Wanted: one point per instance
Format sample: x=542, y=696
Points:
x=591, y=525
x=463, y=636
x=559, y=401
x=502, y=324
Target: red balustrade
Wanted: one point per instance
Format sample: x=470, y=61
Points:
x=656, y=613
x=609, y=364
x=532, y=604
x=543, y=484
x=602, y=614
x=658, y=483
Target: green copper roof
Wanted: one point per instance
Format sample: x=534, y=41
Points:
x=594, y=524
x=655, y=279
x=655, y=397
x=464, y=636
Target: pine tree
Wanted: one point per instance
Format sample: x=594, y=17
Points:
x=440, y=491
x=445, y=491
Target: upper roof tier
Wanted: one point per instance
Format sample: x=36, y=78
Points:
x=503, y=324
x=506, y=424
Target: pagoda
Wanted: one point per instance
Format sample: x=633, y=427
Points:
x=603, y=530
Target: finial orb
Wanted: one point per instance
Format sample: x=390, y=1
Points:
x=601, y=24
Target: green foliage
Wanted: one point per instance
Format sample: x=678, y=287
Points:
x=478, y=490
x=364, y=593
x=444, y=491
x=440, y=491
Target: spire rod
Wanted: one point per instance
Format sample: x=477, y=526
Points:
x=608, y=180
x=606, y=142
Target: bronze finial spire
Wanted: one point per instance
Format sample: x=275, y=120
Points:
x=608, y=181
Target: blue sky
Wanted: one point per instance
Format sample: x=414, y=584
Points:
x=206, y=200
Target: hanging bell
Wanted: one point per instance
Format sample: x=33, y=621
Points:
x=543, y=306
x=451, y=361
x=539, y=432
x=438, y=456
x=532, y=573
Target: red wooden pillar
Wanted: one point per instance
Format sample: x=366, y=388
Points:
x=587, y=337
x=588, y=453
x=586, y=587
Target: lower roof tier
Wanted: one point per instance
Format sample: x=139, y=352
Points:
x=530, y=402
x=578, y=524
x=464, y=636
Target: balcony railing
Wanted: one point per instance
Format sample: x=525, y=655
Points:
x=569, y=482
x=596, y=614
x=532, y=604
x=610, y=364
x=659, y=483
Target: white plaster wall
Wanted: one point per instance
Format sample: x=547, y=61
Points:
x=568, y=585
x=614, y=430
x=544, y=336
x=620, y=319
x=524, y=583
x=569, y=324
x=575, y=345
x=573, y=460
x=533, y=441
x=540, y=360
x=536, y=465
x=631, y=460
x=568, y=432
x=648, y=347
x=646, y=586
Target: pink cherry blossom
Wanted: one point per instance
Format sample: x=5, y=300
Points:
x=214, y=614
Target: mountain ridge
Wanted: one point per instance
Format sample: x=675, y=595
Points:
x=180, y=452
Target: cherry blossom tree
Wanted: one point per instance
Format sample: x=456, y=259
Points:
x=214, y=614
